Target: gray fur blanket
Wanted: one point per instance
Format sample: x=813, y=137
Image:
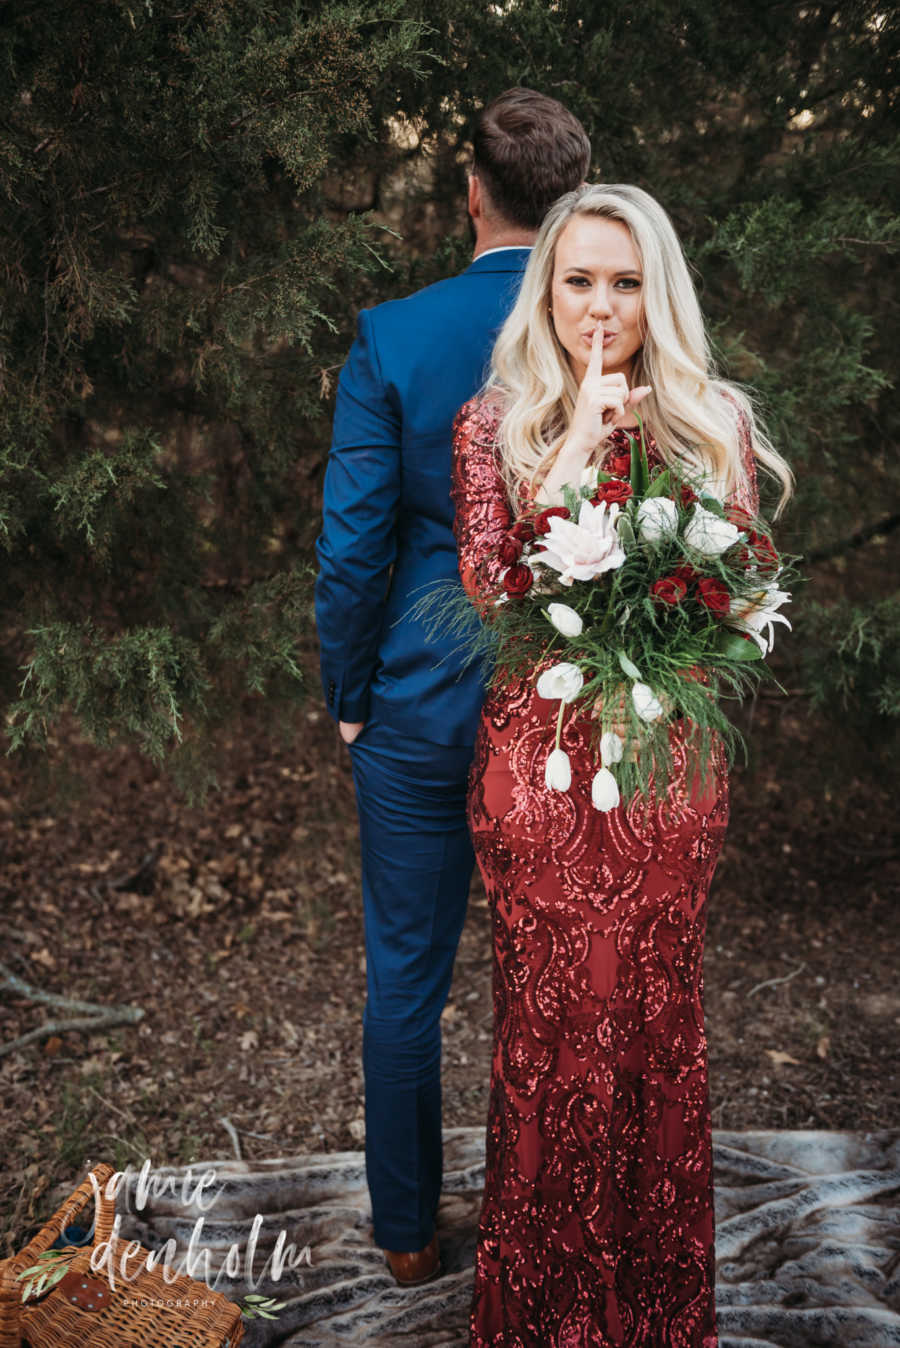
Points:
x=807, y=1242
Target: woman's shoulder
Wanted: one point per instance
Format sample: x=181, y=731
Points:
x=736, y=403
x=745, y=490
x=477, y=456
x=480, y=417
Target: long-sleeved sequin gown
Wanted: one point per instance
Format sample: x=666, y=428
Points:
x=597, y=1222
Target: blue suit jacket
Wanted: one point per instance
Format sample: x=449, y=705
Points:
x=388, y=518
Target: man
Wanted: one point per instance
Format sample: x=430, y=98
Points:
x=404, y=706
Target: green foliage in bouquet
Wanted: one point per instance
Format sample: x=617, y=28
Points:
x=669, y=624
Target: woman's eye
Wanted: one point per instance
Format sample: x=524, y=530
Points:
x=577, y=281
x=629, y=283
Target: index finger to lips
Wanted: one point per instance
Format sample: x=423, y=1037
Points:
x=596, y=361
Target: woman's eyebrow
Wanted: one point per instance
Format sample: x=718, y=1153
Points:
x=588, y=271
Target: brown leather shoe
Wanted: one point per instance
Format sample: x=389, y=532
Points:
x=411, y=1267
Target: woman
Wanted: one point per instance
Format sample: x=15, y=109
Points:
x=597, y=1223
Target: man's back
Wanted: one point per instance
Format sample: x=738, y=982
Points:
x=414, y=363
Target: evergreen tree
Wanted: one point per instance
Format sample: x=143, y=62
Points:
x=178, y=271
x=195, y=198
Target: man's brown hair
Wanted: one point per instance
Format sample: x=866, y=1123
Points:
x=529, y=150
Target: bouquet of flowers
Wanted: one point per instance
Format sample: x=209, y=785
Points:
x=657, y=601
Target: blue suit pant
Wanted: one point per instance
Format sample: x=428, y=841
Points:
x=417, y=863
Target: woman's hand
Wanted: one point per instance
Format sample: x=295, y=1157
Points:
x=602, y=401
x=621, y=724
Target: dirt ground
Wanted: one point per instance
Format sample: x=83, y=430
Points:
x=237, y=928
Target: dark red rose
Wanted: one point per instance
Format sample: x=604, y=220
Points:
x=620, y=464
x=685, y=573
x=696, y=674
x=614, y=493
x=760, y=552
x=739, y=516
x=714, y=595
x=669, y=590
x=518, y=579
x=764, y=553
x=510, y=551
x=523, y=530
x=542, y=521
x=688, y=495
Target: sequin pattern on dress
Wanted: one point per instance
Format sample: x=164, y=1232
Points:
x=596, y=1229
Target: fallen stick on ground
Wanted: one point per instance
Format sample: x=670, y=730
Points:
x=96, y=1017
x=773, y=982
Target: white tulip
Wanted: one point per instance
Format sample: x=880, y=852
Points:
x=604, y=791
x=657, y=519
x=612, y=746
x=584, y=550
x=590, y=477
x=558, y=773
x=563, y=681
x=648, y=707
x=565, y=620
x=708, y=534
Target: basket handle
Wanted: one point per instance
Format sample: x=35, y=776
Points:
x=105, y=1208
x=11, y=1287
x=105, y=1211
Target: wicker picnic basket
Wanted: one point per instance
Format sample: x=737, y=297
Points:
x=140, y=1312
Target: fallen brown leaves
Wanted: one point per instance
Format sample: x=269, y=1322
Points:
x=238, y=928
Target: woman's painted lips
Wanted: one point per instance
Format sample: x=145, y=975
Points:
x=607, y=337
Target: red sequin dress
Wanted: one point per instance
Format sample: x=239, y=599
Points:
x=597, y=1226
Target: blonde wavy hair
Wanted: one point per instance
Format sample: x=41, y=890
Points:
x=686, y=412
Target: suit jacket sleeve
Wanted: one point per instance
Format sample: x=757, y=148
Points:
x=358, y=544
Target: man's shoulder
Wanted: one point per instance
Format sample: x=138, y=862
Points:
x=482, y=282
x=440, y=294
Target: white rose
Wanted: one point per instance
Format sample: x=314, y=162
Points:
x=558, y=773
x=562, y=681
x=657, y=519
x=648, y=707
x=611, y=748
x=565, y=620
x=708, y=534
x=604, y=791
